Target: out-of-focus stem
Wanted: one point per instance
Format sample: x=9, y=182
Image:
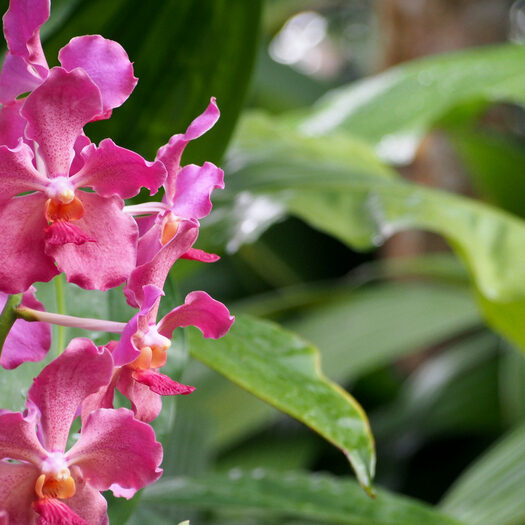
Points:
x=99, y=325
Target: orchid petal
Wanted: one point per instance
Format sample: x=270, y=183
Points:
x=156, y=270
x=161, y=384
x=26, y=341
x=22, y=244
x=125, y=351
x=17, y=173
x=17, y=492
x=17, y=77
x=12, y=124
x=114, y=447
x=106, y=62
x=62, y=386
x=112, y=170
x=171, y=153
x=211, y=317
x=88, y=502
x=109, y=260
x=22, y=23
x=55, y=512
x=56, y=112
x=193, y=188
x=194, y=254
x=145, y=403
x=18, y=439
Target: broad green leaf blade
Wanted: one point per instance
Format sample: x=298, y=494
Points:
x=283, y=370
x=183, y=55
x=321, y=498
x=355, y=329
x=490, y=492
x=361, y=206
x=393, y=110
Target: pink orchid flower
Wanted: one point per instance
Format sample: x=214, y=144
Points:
x=25, y=66
x=170, y=232
x=85, y=233
x=25, y=341
x=41, y=482
x=143, y=346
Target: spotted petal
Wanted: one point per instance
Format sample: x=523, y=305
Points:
x=56, y=112
x=17, y=492
x=62, y=386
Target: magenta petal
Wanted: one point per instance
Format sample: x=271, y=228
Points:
x=171, y=153
x=17, y=173
x=194, y=254
x=114, y=447
x=108, y=261
x=18, y=439
x=112, y=170
x=193, y=188
x=26, y=341
x=81, y=142
x=125, y=351
x=55, y=512
x=106, y=62
x=17, y=77
x=57, y=111
x=63, y=232
x=22, y=245
x=156, y=270
x=22, y=23
x=211, y=317
x=145, y=403
x=62, y=386
x=12, y=125
x=17, y=492
x=162, y=384
x=88, y=502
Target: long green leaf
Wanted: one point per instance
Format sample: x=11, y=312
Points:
x=184, y=52
x=357, y=202
x=321, y=498
x=393, y=110
x=283, y=370
x=490, y=492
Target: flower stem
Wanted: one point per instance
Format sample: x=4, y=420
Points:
x=8, y=317
x=87, y=323
x=61, y=307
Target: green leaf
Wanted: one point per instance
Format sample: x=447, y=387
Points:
x=495, y=165
x=322, y=498
x=184, y=52
x=394, y=109
x=283, y=370
x=358, y=202
x=490, y=492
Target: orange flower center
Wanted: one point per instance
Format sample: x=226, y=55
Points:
x=60, y=485
x=56, y=210
x=153, y=350
x=170, y=225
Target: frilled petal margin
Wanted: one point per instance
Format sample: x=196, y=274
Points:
x=106, y=62
x=211, y=317
x=112, y=441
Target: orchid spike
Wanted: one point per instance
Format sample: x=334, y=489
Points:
x=169, y=234
x=47, y=484
x=143, y=346
x=58, y=227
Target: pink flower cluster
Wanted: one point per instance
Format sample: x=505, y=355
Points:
x=62, y=209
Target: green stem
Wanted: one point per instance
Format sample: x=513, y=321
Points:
x=61, y=307
x=8, y=317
